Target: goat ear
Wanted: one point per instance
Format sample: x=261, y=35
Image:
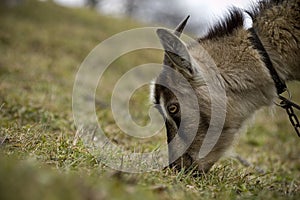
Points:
x=177, y=52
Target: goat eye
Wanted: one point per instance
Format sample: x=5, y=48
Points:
x=173, y=109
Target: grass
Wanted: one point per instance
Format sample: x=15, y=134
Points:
x=41, y=48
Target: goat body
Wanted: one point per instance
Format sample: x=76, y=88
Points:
x=240, y=71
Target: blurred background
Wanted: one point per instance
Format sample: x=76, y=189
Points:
x=168, y=12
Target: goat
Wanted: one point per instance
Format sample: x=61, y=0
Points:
x=240, y=57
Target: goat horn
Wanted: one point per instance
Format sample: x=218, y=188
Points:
x=181, y=26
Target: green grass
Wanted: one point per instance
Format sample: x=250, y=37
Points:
x=41, y=48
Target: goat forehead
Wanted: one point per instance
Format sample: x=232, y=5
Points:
x=162, y=101
x=152, y=92
x=157, y=87
x=161, y=94
x=155, y=92
x=164, y=94
x=168, y=87
x=162, y=107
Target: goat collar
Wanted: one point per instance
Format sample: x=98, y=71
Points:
x=279, y=83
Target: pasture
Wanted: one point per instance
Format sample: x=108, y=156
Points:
x=41, y=48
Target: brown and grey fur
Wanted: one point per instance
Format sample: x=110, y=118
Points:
x=243, y=74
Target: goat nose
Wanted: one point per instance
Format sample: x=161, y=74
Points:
x=171, y=165
x=185, y=161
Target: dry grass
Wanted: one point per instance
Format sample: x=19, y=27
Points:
x=41, y=48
